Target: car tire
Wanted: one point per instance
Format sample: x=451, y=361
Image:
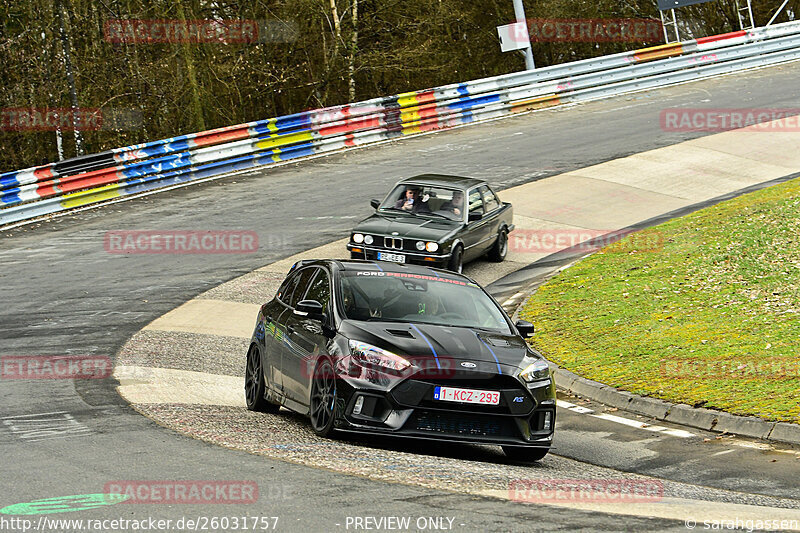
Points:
x=254, y=385
x=500, y=248
x=322, y=404
x=524, y=454
x=456, y=263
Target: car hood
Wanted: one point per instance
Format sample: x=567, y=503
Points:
x=415, y=341
x=412, y=227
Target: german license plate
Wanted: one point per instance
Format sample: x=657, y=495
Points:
x=452, y=394
x=394, y=258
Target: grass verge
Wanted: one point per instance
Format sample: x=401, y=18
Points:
x=710, y=317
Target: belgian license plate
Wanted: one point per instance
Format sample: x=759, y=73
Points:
x=394, y=258
x=451, y=394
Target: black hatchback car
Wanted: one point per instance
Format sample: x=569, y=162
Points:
x=435, y=220
x=391, y=349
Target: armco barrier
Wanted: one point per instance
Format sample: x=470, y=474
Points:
x=81, y=181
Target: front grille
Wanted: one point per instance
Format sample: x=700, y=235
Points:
x=394, y=243
x=474, y=425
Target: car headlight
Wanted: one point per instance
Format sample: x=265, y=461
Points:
x=368, y=239
x=375, y=358
x=420, y=245
x=358, y=238
x=432, y=246
x=535, y=372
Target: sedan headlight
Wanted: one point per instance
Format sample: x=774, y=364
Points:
x=375, y=358
x=535, y=372
x=432, y=246
x=368, y=239
x=420, y=245
x=358, y=238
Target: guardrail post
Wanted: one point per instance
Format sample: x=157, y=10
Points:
x=519, y=13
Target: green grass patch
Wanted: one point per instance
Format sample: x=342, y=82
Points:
x=710, y=319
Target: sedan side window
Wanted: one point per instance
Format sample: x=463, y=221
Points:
x=302, y=284
x=287, y=287
x=489, y=199
x=475, y=201
x=320, y=290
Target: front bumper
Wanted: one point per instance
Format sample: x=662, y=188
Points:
x=359, y=251
x=409, y=410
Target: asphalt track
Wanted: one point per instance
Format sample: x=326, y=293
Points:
x=64, y=294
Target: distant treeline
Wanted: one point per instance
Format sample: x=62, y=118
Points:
x=143, y=71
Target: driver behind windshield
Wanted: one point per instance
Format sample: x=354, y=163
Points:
x=456, y=205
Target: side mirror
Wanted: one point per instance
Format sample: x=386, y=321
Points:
x=525, y=328
x=375, y=204
x=474, y=216
x=310, y=308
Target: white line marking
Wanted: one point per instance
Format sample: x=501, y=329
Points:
x=574, y=408
x=513, y=299
x=643, y=425
x=679, y=433
x=754, y=445
x=624, y=421
x=35, y=428
x=790, y=452
x=33, y=415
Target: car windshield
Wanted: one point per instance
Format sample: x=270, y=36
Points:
x=420, y=200
x=420, y=298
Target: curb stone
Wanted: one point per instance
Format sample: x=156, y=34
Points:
x=749, y=426
x=686, y=415
x=785, y=432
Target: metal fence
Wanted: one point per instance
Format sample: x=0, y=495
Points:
x=37, y=191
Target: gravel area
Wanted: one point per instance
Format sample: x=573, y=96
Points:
x=453, y=467
x=186, y=351
x=257, y=287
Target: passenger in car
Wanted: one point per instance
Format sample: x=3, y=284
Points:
x=456, y=205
